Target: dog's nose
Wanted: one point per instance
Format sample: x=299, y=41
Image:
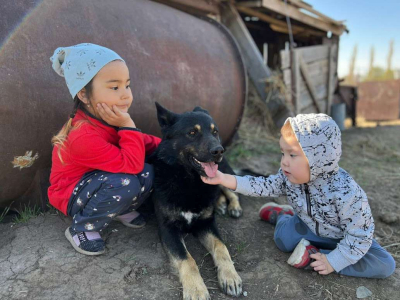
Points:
x=217, y=151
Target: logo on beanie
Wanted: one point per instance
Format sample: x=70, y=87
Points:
x=91, y=64
x=81, y=52
x=80, y=75
x=67, y=65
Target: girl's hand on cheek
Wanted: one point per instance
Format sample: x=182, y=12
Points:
x=114, y=116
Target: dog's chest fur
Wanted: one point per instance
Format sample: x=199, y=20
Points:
x=182, y=198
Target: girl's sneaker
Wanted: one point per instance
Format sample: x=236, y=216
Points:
x=270, y=211
x=85, y=242
x=300, y=257
x=132, y=220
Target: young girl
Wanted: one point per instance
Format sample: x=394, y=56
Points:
x=329, y=219
x=98, y=171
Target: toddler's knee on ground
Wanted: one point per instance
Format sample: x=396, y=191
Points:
x=284, y=244
x=381, y=265
x=389, y=269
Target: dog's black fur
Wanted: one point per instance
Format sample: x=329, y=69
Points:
x=183, y=203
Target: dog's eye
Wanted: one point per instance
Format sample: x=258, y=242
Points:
x=215, y=132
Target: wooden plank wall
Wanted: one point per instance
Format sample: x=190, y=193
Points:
x=319, y=64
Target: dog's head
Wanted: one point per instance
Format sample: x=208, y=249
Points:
x=190, y=139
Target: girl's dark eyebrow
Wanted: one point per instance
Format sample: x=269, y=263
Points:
x=116, y=80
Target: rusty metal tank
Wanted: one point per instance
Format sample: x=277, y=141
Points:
x=174, y=58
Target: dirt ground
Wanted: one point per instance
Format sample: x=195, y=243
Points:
x=37, y=262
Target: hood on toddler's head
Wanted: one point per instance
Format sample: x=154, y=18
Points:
x=319, y=137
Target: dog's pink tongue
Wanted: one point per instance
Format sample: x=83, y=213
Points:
x=210, y=169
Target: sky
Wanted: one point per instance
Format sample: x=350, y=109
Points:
x=371, y=23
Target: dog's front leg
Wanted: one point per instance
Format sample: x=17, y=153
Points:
x=234, y=208
x=192, y=283
x=228, y=279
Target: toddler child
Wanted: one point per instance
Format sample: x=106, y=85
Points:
x=328, y=225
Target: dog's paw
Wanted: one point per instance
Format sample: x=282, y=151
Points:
x=221, y=205
x=235, y=210
x=230, y=281
x=196, y=291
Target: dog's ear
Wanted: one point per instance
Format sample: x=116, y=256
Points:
x=199, y=109
x=165, y=117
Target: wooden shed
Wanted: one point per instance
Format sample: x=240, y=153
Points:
x=286, y=35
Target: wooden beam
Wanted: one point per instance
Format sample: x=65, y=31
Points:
x=193, y=6
x=260, y=15
x=266, y=18
x=307, y=79
x=331, y=79
x=253, y=60
x=250, y=3
x=257, y=70
x=308, y=54
x=295, y=80
x=291, y=11
x=309, y=8
x=284, y=29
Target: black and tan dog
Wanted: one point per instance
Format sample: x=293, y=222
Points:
x=184, y=204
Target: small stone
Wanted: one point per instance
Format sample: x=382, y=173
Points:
x=245, y=293
x=363, y=292
x=389, y=218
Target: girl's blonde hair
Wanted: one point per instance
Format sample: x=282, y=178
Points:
x=60, y=138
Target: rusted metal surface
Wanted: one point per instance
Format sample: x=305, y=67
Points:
x=379, y=100
x=174, y=58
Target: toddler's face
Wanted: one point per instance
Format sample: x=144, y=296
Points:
x=111, y=86
x=294, y=163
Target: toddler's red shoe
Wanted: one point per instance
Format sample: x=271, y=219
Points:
x=300, y=257
x=270, y=211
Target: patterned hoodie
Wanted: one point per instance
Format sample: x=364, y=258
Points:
x=332, y=204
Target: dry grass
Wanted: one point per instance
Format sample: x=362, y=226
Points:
x=257, y=133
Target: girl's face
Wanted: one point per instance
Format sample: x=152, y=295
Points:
x=294, y=163
x=111, y=86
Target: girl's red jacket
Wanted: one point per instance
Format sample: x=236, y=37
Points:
x=95, y=145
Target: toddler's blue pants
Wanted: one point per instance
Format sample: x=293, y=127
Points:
x=376, y=263
x=101, y=196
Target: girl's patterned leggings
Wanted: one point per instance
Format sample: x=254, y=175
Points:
x=101, y=196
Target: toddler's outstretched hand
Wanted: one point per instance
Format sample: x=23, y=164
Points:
x=321, y=264
x=214, y=180
x=226, y=180
x=114, y=116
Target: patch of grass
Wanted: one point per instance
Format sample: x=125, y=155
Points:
x=376, y=148
x=51, y=209
x=27, y=213
x=250, y=147
x=238, y=152
x=4, y=213
x=241, y=247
